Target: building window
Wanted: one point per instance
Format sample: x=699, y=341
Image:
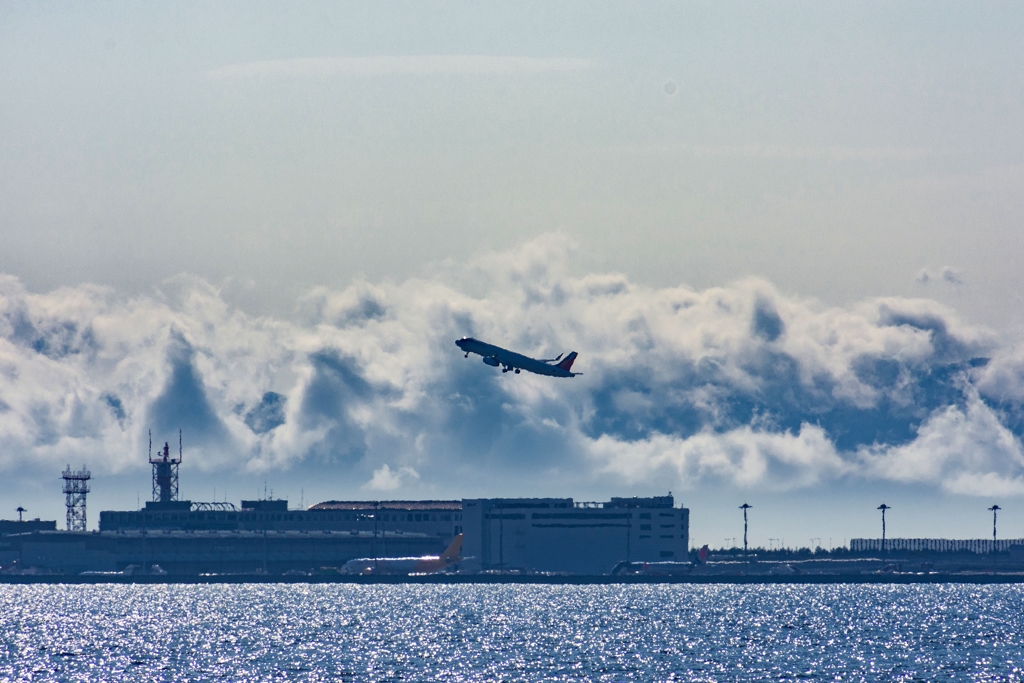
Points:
x=645, y=515
x=645, y=527
x=668, y=536
x=668, y=553
x=644, y=536
x=668, y=526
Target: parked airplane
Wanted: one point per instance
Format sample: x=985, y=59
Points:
x=406, y=565
x=496, y=356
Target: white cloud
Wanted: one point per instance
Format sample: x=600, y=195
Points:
x=386, y=479
x=744, y=457
x=411, y=65
x=952, y=276
x=787, y=152
x=948, y=275
x=963, y=449
x=738, y=384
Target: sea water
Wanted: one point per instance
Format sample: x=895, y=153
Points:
x=338, y=632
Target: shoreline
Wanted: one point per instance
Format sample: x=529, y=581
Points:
x=522, y=579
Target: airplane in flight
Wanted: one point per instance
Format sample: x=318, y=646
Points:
x=495, y=356
x=407, y=565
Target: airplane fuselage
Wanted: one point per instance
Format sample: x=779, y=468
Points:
x=496, y=356
x=395, y=565
x=407, y=565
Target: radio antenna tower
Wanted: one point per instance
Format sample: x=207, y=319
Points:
x=76, y=485
x=165, y=471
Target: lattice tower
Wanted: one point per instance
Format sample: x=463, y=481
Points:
x=76, y=485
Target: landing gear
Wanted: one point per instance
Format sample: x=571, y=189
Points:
x=467, y=355
x=504, y=369
x=517, y=371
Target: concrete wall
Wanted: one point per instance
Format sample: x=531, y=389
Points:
x=185, y=552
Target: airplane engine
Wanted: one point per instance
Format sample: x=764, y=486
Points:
x=492, y=361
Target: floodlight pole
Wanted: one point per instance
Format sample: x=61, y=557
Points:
x=376, y=508
x=745, y=507
x=883, y=507
x=994, y=510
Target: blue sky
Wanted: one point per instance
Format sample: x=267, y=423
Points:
x=784, y=239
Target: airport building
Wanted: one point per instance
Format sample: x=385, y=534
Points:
x=16, y=526
x=190, y=552
x=439, y=519
x=185, y=537
x=563, y=536
x=500, y=534
x=265, y=536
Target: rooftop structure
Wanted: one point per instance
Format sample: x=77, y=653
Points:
x=450, y=505
x=634, y=502
x=8, y=526
x=165, y=472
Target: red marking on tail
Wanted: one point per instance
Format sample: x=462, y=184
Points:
x=567, y=363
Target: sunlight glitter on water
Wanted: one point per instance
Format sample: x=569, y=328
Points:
x=511, y=632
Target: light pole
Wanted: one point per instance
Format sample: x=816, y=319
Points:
x=745, y=507
x=994, y=510
x=883, y=507
x=376, y=507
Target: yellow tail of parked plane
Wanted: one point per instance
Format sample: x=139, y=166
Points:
x=407, y=565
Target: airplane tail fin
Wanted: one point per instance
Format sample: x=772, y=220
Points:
x=567, y=363
x=453, y=550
